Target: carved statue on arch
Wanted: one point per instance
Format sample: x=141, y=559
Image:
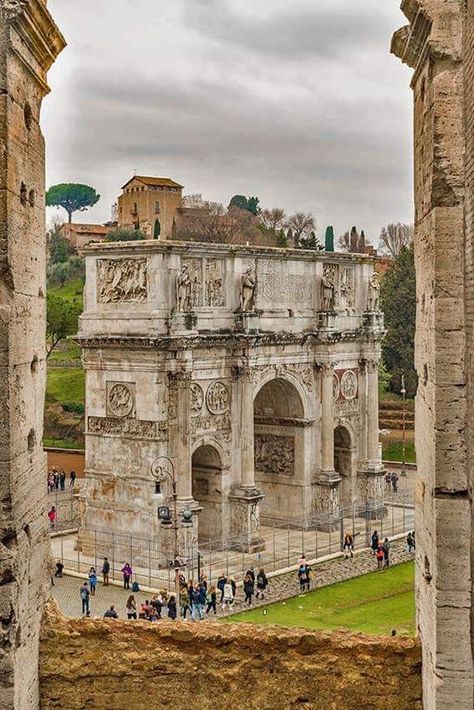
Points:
x=183, y=290
x=247, y=290
x=373, y=294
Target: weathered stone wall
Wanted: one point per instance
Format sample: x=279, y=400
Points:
x=433, y=46
x=116, y=664
x=29, y=43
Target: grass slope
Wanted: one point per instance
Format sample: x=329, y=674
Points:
x=374, y=604
x=65, y=385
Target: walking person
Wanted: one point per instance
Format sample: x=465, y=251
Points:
x=127, y=573
x=211, y=599
x=106, y=571
x=172, y=610
x=248, y=589
x=410, y=543
x=380, y=557
x=386, y=553
x=228, y=596
x=220, y=586
x=348, y=546
x=59, y=569
x=374, y=542
x=85, y=594
x=52, y=518
x=262, y=584
x=92, y=580
x=72, y=479
x=196, y=599
x=184, y=602
x=131, y=607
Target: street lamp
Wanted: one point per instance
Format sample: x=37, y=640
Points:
x=162, y=469
x=403, y=392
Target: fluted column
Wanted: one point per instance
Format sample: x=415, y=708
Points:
x=247, y=430
x=363, y=411
x=179, y=404
x=372, y=411
x=327, y=417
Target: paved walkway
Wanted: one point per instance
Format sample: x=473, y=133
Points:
x=66, y=590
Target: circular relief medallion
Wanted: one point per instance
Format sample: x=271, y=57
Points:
x=120, y=400
x=217, y=398
x=336, y=386
x=197, y=399
x=349, y=385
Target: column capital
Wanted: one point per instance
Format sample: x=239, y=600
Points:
x=179, y=378
x=326, y=368
x=372, y=365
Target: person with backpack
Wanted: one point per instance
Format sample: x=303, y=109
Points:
x=304, y=576
x=127, y=573
x=262, y=584
x=410, y=543
x=248, y=589
x=92, y=580
x=111, y=613
x=380, y=557
x=211, y=599
x=386, y=553
x=59, y=569
x=85, y=594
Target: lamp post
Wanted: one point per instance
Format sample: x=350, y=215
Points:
x=162, y=469
x=403, y=392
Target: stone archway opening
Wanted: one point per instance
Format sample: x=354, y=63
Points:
x=343, y=463
x=279, y=450
x=207, y=491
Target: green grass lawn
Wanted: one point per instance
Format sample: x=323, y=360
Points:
x=392, y=450
x=72, y=291
x=374, y=604
x=65, y=385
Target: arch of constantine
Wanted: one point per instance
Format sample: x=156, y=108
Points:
x=254, y=369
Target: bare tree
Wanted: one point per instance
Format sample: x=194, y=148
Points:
x=301, y=225
x=353, y=241
x=273, y=219
x=395, y=236
x=213, y=223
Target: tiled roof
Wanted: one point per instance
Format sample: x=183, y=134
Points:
x=87, y=228
x=159, y=181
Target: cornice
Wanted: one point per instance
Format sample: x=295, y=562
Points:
x=34, y=25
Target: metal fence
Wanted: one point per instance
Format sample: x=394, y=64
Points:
x=67, y=509
x=283, y=545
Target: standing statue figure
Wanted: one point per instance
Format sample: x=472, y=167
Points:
x=183, y=290
x=373, y=294
x=247, y=290
x=328, y=293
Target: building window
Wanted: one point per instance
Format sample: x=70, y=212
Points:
x=157, y=207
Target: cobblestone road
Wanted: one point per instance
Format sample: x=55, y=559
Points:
x=66, y=590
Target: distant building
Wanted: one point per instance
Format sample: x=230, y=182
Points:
x=150, y=204
x=78, y=235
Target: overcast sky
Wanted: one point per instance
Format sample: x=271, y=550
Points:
x=297, y=102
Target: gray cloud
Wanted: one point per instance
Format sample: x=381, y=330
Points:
x=195, y=92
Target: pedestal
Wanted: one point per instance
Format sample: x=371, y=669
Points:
x=327, y=504
x=371, y=488
x=247, y=322
x=373, y=320
x=245, y=520
x=327, y=320
x=183, y=323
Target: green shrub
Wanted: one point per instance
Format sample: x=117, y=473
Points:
x=74, y=407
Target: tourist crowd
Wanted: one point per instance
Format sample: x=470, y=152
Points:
x=57, y=480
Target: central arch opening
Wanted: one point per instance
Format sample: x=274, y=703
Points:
x=279, y=443
x=207, y=491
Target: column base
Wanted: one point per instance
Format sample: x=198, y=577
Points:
x=245, y=519
x=183, y=323
x=327, y=506
x=371, y=475
x=247, y=322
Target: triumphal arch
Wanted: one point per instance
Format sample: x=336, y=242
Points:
x=254, y=369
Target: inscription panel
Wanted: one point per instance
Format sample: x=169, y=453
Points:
x=275, y=286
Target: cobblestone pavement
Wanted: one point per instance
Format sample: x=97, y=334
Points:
x=66, y=590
